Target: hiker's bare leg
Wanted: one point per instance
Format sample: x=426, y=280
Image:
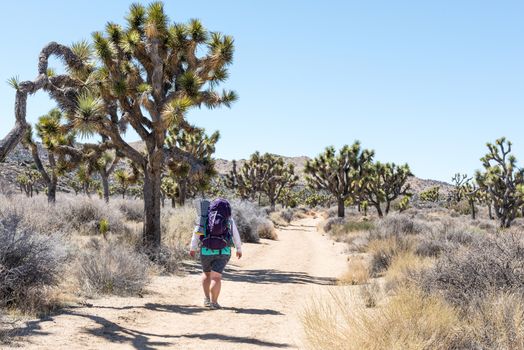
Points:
x=206, y=283
x=216, y=284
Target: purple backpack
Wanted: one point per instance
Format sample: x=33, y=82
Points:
x=217, y=234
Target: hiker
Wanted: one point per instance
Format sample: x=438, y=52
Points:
x=215, y=234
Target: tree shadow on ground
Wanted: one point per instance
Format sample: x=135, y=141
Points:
x=114, y=333
x=192, y=309
x=271, y=276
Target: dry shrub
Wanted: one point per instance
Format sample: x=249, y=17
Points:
x=111, y=268
x=410, y=320
x=357, y=272
x=248, y=218
x=471, y=272
x=384, y=250
x=398, y=225
x=84, y=214
x=370, y=294
x=332, y=222
x=31, y=263
x=496, y=322
x=132, y=209
x=266, y=230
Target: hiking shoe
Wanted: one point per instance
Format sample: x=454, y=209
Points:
x=207, y=302
x=215, y=306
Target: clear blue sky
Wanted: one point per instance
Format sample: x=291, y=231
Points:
x=422, y=82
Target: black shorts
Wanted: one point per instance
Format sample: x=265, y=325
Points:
x=215, y=263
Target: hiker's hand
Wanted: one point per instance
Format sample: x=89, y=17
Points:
x=192, y=253
x=239, y=254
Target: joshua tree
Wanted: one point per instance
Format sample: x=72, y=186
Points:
x=342, y=174
x=231, y=179
x=170, y=189
x=27, y=181
x=432, y=194
x=84, y=179
x=104, y=163
x=147, y=74
x=55, y=136
x=249, y=179
x=126, y=178
x=471, y=192
x=385, y=183
x=502, y=180
x=459, y=180
x=276, y=177
x=196, y=143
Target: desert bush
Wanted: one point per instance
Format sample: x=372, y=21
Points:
x=496, y=322
x=332, y=222
x=111, y=268
x=469, y=273
x=132, y=209
x=248, y=217
x=357, y=272
x=410, y=320
x=266, y=230
x=84, y=215
x=398, y=226
x=30, y=262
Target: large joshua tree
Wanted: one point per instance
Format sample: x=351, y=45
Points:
x=384, y=183
x=276, y=177
x=502, y=180
x=342, y=174
x=147, y=74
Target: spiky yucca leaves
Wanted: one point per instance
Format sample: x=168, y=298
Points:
x=196, y=143
x=342, y=174
x=249, y=178
x=56, y=136
x=384, y=183
x=502, y=180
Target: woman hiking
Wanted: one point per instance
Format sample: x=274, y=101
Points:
x=214, y=236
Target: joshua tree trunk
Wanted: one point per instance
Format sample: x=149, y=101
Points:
x=490, y=212
x=473, y=212
x=104, y=176
x=379, y=210
x=51, y=192
x=182, y=192
x=388, y=206
x=173, y=202
x=152, y=194
x=341, y=208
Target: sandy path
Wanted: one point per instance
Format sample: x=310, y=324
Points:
x=263, y=294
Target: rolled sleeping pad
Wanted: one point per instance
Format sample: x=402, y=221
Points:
x=202, y=209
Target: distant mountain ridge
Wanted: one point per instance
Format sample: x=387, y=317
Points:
x=20, y=159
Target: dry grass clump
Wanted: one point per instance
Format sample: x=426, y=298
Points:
x=370, y=294
x=398, y=225
x=404, y=267
x=410, y=320
x=112, y=268
x=178, y=225
x=357, y=272
x=31, y=263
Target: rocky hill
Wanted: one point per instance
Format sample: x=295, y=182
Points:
x=20, y=160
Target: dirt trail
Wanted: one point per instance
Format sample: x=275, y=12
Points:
x=262, y=295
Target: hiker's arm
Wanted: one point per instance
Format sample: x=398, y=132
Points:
x=236, y=239
x=194, y=242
